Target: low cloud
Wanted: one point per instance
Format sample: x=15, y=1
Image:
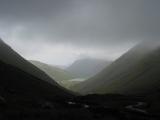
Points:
x=103, y=28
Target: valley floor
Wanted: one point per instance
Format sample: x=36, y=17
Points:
x=90, y=107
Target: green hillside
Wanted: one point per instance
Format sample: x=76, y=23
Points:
x=9, y=57
x=136, y=72
x=56, y=73
x=70, y=83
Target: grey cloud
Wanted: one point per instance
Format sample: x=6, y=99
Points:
x=30, y=9
x=85, y=21
x=101, y=24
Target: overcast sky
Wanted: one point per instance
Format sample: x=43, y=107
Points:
x=61, y=31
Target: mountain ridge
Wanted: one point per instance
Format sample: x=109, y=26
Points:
x=54, y=72
x=134, y=64
x=87, y=67
x=10, y=57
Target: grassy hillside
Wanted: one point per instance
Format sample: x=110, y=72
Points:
x=70, y=83
x=56, y=73
x=136, y=72
x=10, y=57
x=25, y=96
x=17, y=84
x=88, y=67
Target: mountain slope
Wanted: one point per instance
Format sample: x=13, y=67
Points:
x=86, y=68
x=136, y=72
x=11, y=58
x=17, y=84
x=56, y=73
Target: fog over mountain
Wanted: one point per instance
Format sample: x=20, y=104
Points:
x=87, y=67
x=69, y=29
x=135, y=72
x=64, y=33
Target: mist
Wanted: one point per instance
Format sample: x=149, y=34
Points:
x=80, y=59
x=61, y=31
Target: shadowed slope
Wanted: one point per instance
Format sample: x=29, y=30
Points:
x=16, y=83
x=8, y=56
x=136, y=72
